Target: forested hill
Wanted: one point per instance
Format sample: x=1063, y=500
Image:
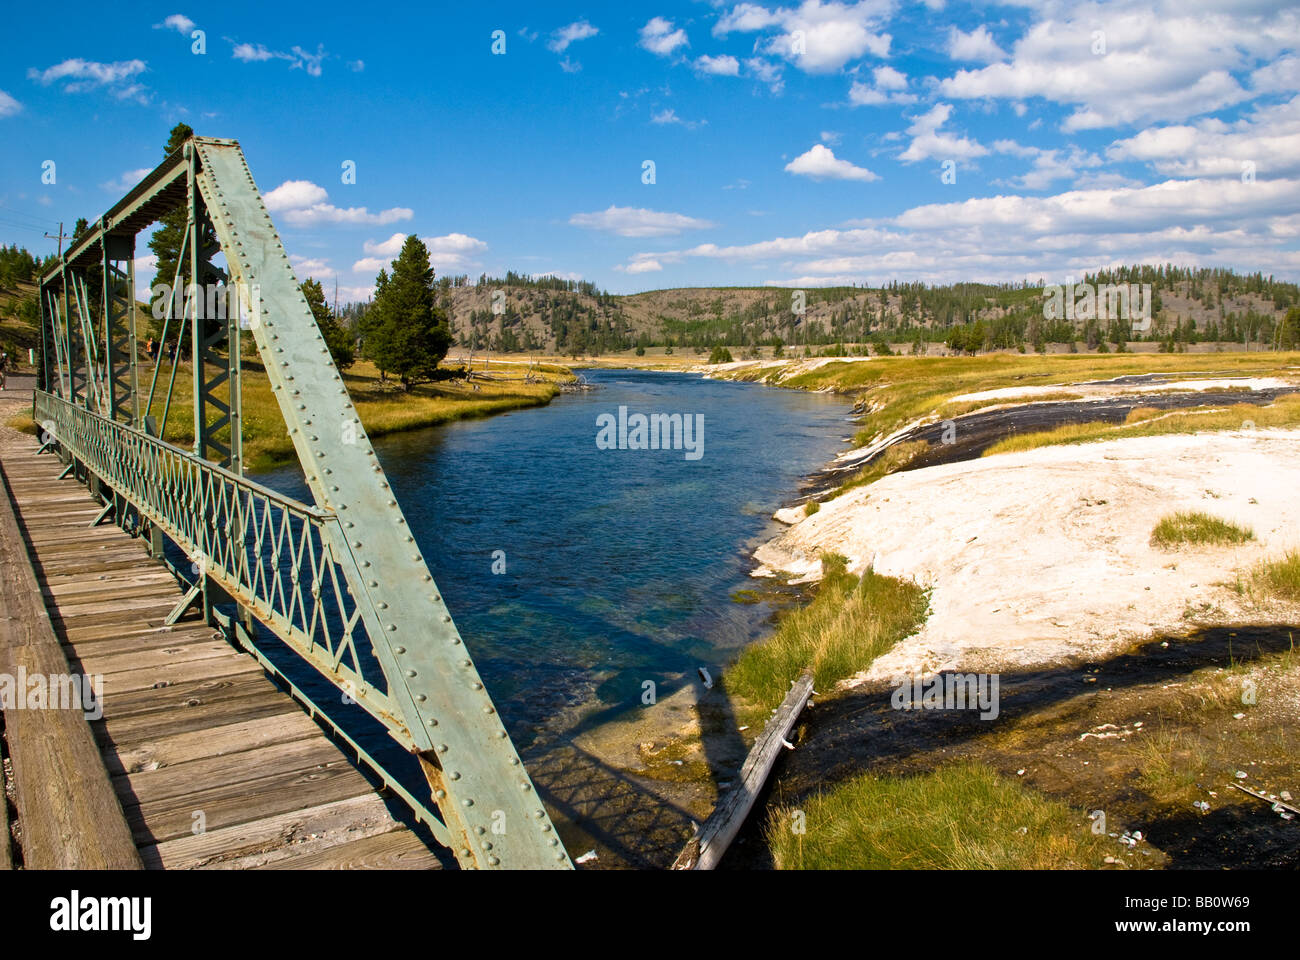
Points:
x=567, y=317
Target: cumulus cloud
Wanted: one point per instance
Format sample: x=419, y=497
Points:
x=126, y=181
x=977, y=45
x=178, y=22
x=306, y=204
x=721, y=66
x=448, y=253
x=660, y=38
x=816, y=36
x=578, y=30
x=888, y=86
x=1009, y=238
x=8, y=105
x=929, y=141
x=820, y=163
x=1136, y=61
x=669, y=116
x=637, y=222
x=1268, y=140
x=79, y=76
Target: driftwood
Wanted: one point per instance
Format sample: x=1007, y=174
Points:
x=1266, y=798
x=705, y=849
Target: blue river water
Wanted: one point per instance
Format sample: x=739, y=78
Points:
x=576, y=573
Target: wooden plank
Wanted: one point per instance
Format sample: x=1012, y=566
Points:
x=63, y=826
x=171, y=749
x=231, y=804
x=398, y=850
x=706, y=848
x=149, y=785
x=272, y=839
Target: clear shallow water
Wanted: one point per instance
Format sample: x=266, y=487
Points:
x=619, y=564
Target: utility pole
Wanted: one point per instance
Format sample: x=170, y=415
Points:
x=61, y=237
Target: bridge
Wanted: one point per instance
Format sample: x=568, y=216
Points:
x=202, y=598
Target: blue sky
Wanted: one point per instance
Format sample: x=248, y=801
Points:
x=801, y=144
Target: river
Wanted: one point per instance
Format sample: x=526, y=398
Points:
x=576, y=574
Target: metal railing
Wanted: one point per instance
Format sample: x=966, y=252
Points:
x=270, y=553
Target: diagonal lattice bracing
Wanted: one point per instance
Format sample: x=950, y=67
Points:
x=343, y=582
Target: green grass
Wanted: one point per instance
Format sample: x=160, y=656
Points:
x=1170, y=765
x=851, y=621
x=906, y=389
x=1281, y=577
x=811, y=507
x=1284, y=412
x=384, y=408
x=1198, y=529
x=963, y=817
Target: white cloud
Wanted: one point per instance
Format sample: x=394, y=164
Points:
x=1268, y=139
x=1008, y=238
x=297, y=58
x=929, y=141
x=127, y=180
x=669, y=116
x=8, y=105
x=722, y=66
x=816, y=36
x=1049, y=165
x=1155, y=60
x=659, y=37
x=82, y=75
x=889, y=86
x=252, y=53
x=637, y=222
x=766, y=72
x=178, y=22
x=452, y=251
x=570, y=66
x=304, y=204
x=640, y=266
x=831, y=137
x=977, y=45
x=578, y=30
x=820, y=163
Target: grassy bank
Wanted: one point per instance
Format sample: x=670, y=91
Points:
x=963, y=817
x=900, y=390
x=383, y=406
x=1146, y=422
x=851, y=621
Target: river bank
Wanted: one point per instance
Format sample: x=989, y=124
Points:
x=1039, y=568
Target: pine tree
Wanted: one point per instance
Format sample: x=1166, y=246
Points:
x=337, y=338
x=166, y=240
x=411, y=333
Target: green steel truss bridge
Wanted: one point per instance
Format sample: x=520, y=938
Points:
x=340, y=581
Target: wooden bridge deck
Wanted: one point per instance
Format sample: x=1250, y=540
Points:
x=192, y=728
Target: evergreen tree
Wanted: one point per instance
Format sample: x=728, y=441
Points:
x=166, y=240
x=411, y=333
x=337, y=338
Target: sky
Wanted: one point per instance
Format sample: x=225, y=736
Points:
x=646, y=146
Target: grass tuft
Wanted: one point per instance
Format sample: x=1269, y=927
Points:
x=851, y=621
x=1198, y=529
x=1281, y=577
x=963, y=817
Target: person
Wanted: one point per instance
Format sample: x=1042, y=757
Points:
x=151, y=348
x=171, y=350
x=4, y=368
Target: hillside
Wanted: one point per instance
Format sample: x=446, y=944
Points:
x=561, y=317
